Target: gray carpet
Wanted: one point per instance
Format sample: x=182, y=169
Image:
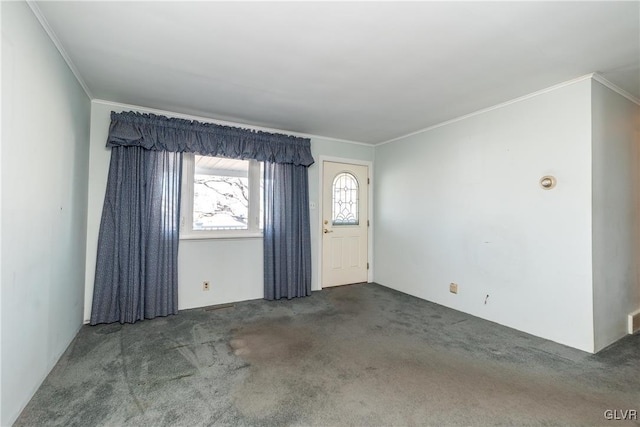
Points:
x=354, y=355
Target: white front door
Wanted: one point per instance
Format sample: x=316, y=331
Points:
x=344, y=223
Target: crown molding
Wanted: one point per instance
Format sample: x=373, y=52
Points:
x=598, y=77
x=223, y=122
x=47, y=28
x=495, y=107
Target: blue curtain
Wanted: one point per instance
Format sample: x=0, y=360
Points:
x=287, y=242
x=136, y=272
x=208, y=139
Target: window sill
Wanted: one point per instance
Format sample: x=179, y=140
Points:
x=221, y=235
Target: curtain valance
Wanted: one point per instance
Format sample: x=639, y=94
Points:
x=161, y=133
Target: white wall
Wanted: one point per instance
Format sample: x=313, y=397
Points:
x=45, y=133
x=462, y=203
x=232, y=266
x=616, y=135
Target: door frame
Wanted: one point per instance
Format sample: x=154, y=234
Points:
x=319, y=225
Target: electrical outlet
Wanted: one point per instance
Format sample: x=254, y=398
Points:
x=205, y=286
x=453, y=288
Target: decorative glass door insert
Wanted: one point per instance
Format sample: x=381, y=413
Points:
x=345, y=199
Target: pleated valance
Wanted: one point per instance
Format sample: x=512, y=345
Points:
x=161, y=133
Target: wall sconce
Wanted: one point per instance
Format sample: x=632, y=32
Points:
x=547, y=182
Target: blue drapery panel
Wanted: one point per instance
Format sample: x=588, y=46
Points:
x=287, y=242
x=136, y=272
x=208, y=139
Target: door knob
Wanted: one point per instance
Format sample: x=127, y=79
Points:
x=325, y=231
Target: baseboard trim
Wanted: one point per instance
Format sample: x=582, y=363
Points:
x=634, y=322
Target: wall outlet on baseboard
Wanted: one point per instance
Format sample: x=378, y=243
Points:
x=205, y=285
x=453, y=288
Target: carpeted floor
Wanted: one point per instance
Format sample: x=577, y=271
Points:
x=354, y=355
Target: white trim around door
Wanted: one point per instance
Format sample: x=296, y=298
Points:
x=318, y=226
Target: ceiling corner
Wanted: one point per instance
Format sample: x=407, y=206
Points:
x=600, y=79
x=47, y=28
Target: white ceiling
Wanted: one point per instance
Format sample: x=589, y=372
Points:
x=360, y=71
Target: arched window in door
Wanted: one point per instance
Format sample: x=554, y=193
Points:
x=345, y=199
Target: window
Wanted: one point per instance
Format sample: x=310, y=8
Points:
x=345, y=199
x=221, y=197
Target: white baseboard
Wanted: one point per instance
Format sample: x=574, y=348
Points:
x=634, y=322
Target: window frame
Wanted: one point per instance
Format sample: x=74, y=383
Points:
x=187, y=200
